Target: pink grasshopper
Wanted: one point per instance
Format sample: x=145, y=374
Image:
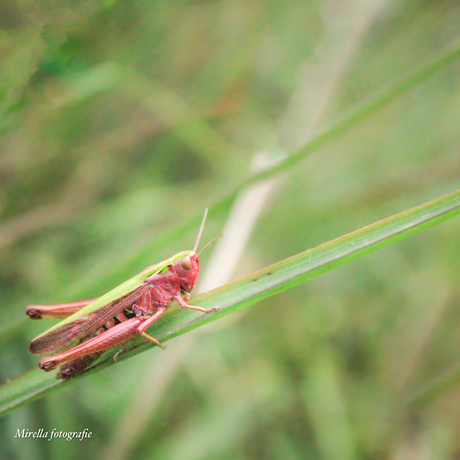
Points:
x=116, y=317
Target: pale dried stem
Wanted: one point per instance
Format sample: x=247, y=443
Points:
x=218, y=271
x=227, y=254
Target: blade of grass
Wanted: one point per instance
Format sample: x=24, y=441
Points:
x=364, y=110
x=434, y=388
x=260, y=285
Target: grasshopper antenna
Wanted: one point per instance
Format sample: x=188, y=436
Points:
x=209, y=244
x=201, y=231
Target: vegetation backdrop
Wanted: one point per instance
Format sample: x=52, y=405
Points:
x=122, y=121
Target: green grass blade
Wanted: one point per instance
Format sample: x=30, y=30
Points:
x=247, y=291
x=434, y=388
x=364, y=110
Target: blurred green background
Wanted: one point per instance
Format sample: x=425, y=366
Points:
x=121, y=121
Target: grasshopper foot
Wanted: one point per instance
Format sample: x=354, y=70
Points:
x=152, y=339
x=47, y=364
x=118, y=353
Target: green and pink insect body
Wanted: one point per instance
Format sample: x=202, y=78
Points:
x=116, y=317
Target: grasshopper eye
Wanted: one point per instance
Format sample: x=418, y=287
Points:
x=186, y=263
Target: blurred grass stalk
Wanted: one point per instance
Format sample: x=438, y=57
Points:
x=428, y=392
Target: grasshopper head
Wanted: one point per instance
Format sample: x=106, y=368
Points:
x=187, y=269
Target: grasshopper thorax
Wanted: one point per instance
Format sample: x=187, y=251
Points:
x=187, y=270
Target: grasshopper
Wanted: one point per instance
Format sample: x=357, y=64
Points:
x=116, y=317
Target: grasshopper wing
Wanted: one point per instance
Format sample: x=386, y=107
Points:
x=85, y=321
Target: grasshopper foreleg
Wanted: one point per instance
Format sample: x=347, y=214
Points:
x=184, y=304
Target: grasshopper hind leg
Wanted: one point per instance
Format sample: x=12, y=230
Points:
x=62, y=310
x=79, y=365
